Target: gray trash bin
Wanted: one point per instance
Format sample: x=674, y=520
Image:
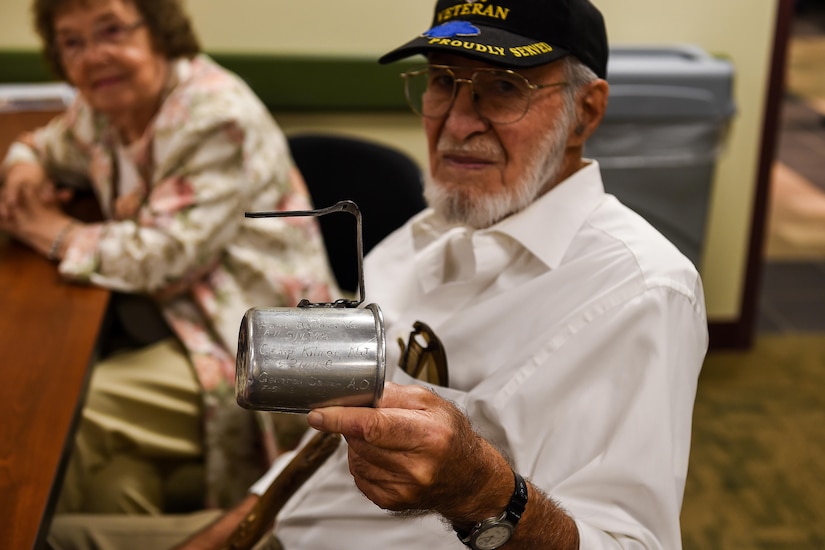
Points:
x=667, y=116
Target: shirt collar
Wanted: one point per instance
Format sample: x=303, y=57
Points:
x=441, y=249
x=545, y=228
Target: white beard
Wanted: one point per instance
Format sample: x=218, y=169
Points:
x=543, y=166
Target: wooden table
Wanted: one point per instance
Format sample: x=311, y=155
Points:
x=48, y=332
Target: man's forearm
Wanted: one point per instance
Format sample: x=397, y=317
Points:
x=544, y=525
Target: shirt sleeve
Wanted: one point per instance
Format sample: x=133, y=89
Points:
x=19, y=152
x=188, y=217
x=52, y=145
x=194, y=205
x=626, y=377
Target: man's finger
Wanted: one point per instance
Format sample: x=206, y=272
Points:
x=347, y=421
x=388, y=429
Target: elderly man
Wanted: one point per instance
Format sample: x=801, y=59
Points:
x=573, y=330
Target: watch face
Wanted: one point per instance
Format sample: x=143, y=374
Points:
x=493, y=537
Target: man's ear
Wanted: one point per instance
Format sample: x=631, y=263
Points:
x=590, y=107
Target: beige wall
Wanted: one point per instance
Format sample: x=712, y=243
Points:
x=739, y=29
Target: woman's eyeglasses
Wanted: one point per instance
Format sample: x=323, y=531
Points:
x=115, y=33
x=501, y=96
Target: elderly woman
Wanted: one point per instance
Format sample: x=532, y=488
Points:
x=175, y=149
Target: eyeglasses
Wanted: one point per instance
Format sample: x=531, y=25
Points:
x=501, y=96
x=427, y=361
x=115, y=33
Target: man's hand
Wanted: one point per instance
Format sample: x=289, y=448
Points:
x=418, y=452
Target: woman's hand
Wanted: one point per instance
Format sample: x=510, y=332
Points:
x=30, y=210
x=22, y=180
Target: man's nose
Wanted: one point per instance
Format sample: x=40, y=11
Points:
x=463, y=118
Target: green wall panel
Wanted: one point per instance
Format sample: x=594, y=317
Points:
x=301, y=83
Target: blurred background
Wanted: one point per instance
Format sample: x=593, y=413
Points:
x=757, y=470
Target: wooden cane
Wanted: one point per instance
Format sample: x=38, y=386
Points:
x=260, y=519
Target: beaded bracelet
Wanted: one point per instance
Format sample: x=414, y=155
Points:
x=57, y=243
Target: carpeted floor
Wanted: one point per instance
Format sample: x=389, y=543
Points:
x=757, y=468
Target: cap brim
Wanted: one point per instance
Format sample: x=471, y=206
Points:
x=490, y=44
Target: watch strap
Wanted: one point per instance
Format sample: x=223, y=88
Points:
x=512, y=513
x=518, y=502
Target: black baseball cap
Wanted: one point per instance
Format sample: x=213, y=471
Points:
x=514, y=33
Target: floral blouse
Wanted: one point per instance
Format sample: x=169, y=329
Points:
x=212, y=153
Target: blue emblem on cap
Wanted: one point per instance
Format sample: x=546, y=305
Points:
x=453, y=28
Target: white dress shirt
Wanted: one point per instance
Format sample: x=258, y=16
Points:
x=574, y=333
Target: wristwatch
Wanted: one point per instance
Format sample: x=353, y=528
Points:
x=492, y=533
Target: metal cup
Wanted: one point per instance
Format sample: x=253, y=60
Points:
x=297, y=359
